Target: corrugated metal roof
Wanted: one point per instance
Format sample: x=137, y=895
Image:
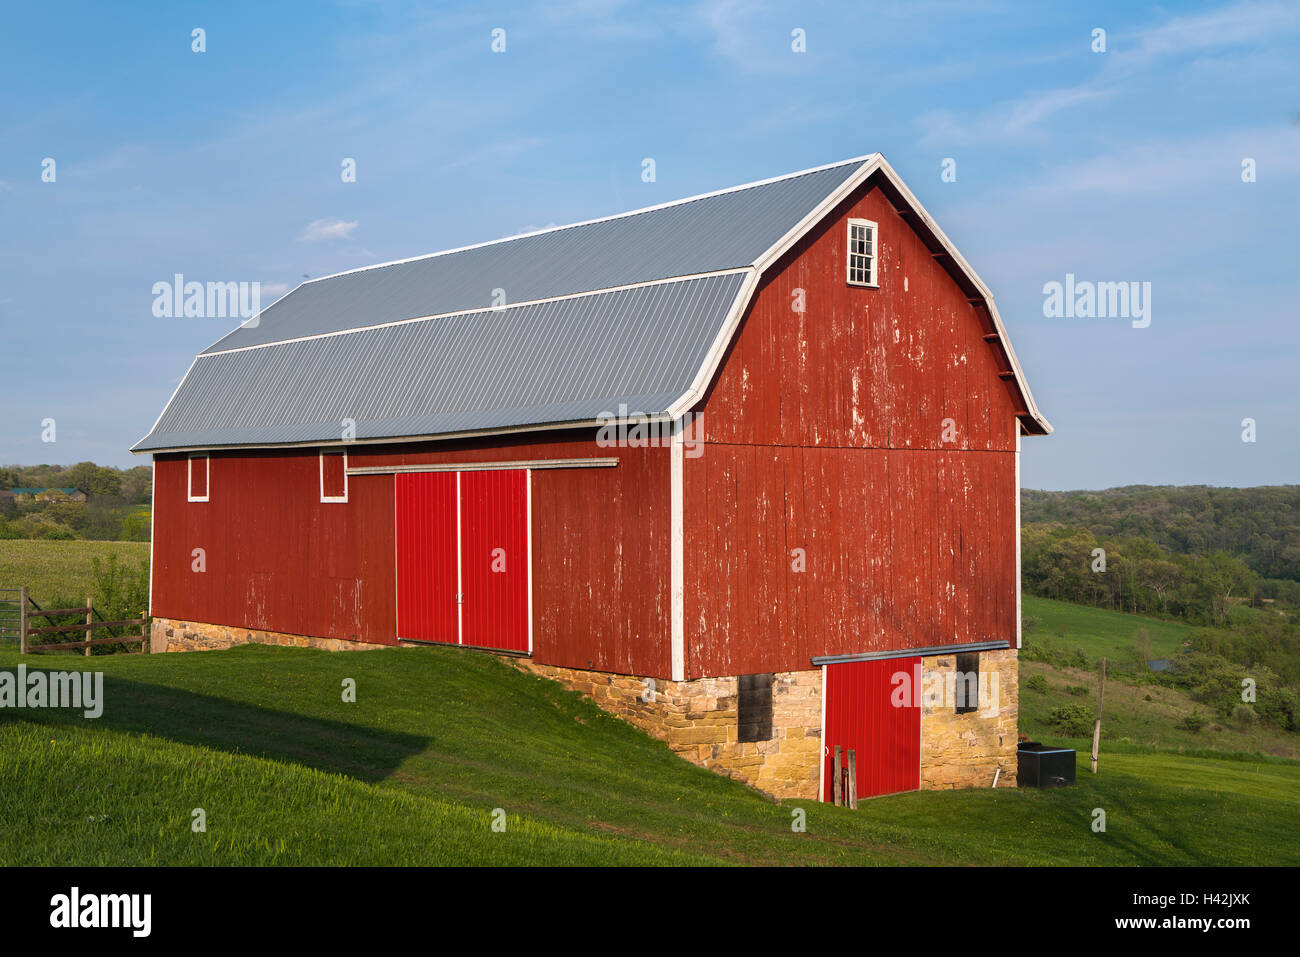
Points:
x=713, y=233
x=577, y=344
x=572, y=343
x=561, y=361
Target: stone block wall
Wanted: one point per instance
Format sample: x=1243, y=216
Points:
x=966, y=750
x=170, y=634
x=698, y=720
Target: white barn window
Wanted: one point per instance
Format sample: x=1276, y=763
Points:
x=862, y=252
x=333, y=476
x=200, y=473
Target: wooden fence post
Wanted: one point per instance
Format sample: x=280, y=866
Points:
x=90, y=617
x=1096, y=728
x=144, y=631
x=838, y=779
x=853, y=779
x=22, y=620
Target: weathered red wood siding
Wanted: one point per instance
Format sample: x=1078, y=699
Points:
x=279, y=559
x=276, y=557
x=824, y=430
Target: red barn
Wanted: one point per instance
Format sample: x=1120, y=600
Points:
x=742, y=467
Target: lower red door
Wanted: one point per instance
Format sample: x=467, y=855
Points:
x=866, y=711
x=427, y=557
x=494, y=559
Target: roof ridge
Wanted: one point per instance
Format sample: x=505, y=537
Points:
x=599, y=219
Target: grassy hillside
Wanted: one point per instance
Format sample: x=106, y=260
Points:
x=1143, y=715
x=60, y=569
x=410, y=774
x=1098, y=631
x=1138, y=714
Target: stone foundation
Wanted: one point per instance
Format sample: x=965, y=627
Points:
x=169, y=634
x=698, y=720
x=967, y=750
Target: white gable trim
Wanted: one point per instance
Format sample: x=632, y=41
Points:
x=870, y=164
x=875, y=163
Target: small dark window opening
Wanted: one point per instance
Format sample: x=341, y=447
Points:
x=754, y=708
x=968, y=682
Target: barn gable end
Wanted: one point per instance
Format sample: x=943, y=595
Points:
x=875, y=442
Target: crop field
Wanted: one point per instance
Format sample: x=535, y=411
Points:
x=56, y=569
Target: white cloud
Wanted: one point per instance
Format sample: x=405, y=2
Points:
x=752, y=37
x=1234, y=25
x=1237, y=25
x=322, y=229
x=493, y=153
x=1161, y=167
x=1030, y=111
x=1013, y=120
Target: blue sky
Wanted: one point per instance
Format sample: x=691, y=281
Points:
x=224, y=165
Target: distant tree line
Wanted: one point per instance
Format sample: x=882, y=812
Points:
x=116, y=507
x=1137, y=575
x=1260, y=526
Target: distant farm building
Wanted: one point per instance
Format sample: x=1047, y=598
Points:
x=744, y=468
x=48, y=494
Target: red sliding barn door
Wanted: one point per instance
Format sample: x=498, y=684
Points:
x=427, y=557
x=864, y=713
x=494, y=559
x=463, y=558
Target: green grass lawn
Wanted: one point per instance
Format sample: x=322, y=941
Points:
x=288, y=773
x=52, y=569
x=1098, y=631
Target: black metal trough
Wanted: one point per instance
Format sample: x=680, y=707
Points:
x=1043, y=766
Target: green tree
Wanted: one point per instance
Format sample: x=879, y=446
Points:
x=94, y=480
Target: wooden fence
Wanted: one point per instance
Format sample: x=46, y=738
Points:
x=18, y=613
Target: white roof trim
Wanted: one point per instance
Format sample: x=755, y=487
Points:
x=397, y=439
x=871, y=163
x=1030, y=405
x=175, y=392
x=548, y=229
x=480, y=309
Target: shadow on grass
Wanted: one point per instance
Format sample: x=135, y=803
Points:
x=236, y=727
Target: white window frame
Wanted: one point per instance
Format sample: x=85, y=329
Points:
x=207, y=477
x=333, y=498
x=873, y=282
